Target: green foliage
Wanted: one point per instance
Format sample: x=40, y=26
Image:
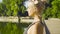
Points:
x=10, y=28
x=11, y=7
x=2, y=8
x=53, y=11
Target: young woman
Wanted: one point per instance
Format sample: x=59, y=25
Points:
x=34, y=9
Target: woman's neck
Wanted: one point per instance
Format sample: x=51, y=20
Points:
x=37, y=18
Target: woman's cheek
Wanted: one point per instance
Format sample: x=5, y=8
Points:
x=30, y=12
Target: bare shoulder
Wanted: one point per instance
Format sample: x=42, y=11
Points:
x=37, y=28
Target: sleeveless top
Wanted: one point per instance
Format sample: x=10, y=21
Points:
x=25, y=32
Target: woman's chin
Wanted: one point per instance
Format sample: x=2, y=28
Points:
x=31, y=15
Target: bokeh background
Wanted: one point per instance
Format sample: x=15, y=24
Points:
x=17, y=8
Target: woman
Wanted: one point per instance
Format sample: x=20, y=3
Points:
x=34, y=9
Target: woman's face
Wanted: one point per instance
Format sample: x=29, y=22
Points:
x=30, y=12
x=31, y=8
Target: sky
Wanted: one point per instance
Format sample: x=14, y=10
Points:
x=26, y=4
x=0, y=0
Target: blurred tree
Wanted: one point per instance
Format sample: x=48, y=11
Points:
x=56, y=8
x=2, y=9
x=10, y=28
x=52, y=11
x=12, y=7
